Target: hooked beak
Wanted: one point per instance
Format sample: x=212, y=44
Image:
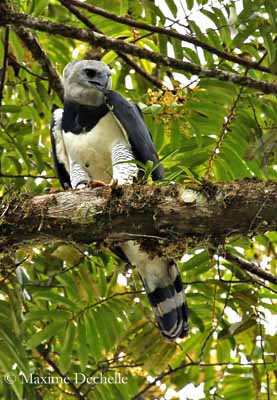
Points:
x=97, y=79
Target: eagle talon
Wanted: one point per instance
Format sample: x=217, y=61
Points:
x=94, y=183
x=52, y=190
x=114, y=184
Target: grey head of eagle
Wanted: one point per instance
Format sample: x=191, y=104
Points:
x=85, y=81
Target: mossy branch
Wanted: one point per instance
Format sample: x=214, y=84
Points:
x=167, y=213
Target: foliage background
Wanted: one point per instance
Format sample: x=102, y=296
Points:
x=69, y=308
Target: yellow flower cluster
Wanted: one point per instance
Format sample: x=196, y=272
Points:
x=166, y=97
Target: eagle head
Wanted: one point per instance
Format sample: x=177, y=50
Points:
x=85, y=82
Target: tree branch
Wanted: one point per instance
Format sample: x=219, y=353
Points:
x=5, y=60
x=199, y=365
x=38, y=54
x=41, y=57
x=123, y=56
x=169, y=33
x=15, y=64
x=225, y=129
x=248, y=266
x=107, y=299
x=44, y=25
x=27, y=176
x=170, y=212
x=75, y=389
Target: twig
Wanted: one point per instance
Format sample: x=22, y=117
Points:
x=44, y=25
x=33, y=45
x=12, y=269
x=225, y=282
x=169, y=33
x=224, y=131
x=77, y=392
x=200, y=365
x=5, y=60
x=217, y=282
x=248, y=266
x=141, y=236
x=16, y=64
x=140, y=70
x=124, y=57
x=97, y=303
x=27, y=176
x=41, y=57
x=257, y=215
x=263, y=356
x=79, y=15
x=201, y=353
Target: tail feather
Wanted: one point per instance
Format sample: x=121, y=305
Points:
x=164, y=288
x=170, y=309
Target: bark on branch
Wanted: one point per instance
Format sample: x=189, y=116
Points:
x=124, y=57
x=169, y=33
x=41, y=57
x=32, y=44
x=169, y=213
x=44, y=25
x=250, y=267
x=5, y=61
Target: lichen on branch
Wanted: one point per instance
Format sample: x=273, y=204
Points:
x=170, y=213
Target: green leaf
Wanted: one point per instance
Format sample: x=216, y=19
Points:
x=46, y=294
x=13, y=348
x=271, y=367
x=45, y=334
x=237, y=328
x=93, y=340
x=270, y=46
x=16, y=46
x=196, y=261
x=16, y=383
x=16, y=163
x=67, y=347
x=222, y=25
x=270, y=6
x=10, y=108
x=83, y=351
x=191, y=55
x=172, y=6
x=38, y=315
x=244, y=33
x=38, y=6
x=190, y=4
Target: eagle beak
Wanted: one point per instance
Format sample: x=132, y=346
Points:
x=95, y=83
x=98, y=79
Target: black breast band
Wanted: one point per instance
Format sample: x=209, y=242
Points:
x=78, y=118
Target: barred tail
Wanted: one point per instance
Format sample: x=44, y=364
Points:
x=170, y=308
x=164, y=288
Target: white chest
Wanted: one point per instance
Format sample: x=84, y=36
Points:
x=93, y=150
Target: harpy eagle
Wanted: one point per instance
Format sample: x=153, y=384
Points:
x=92, y=137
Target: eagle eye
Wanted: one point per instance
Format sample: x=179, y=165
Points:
x=91, y=73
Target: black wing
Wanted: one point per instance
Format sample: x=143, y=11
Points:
x=139, y=137
x=59, y=160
